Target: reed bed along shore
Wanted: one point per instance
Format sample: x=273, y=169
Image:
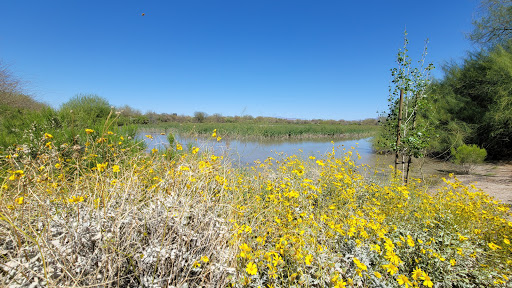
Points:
x=259, y=131
x=107, y=214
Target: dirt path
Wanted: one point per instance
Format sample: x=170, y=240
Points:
x=494, y=179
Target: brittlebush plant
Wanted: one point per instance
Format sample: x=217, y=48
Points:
x=106, y=213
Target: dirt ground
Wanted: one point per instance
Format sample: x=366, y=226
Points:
x=494, y=179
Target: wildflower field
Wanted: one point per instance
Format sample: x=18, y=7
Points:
x=102, y=212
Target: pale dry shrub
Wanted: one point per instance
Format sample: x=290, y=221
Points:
x=127, y=235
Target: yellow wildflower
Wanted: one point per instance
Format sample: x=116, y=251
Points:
x=390, y=268
x=308, y=259
x=403, y=280
x=493, y=246
x=245, y=247
x=360, y=265
x=340, y=284
x=89, y=131
x=417, y=273
x=251, y=269
x=101, y=167
x=427, y=282
x=205, y=259
x=48, y=136
x=16, y=174
x=19, y=200
x=76, y=199
x=116, y=168
x=410, y=241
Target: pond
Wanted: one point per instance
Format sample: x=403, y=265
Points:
x=244, y=153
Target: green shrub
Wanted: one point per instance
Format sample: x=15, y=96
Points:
x=170, y=138
x=86, y=110
x=468, y=155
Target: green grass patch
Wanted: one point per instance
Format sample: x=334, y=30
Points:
x=266, y=130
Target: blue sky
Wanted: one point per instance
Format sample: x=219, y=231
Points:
x=295, y=59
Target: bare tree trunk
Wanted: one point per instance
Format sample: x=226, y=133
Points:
x=409, y=160
x=398, y=132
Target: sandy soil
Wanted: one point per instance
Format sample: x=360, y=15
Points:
x=494, y=179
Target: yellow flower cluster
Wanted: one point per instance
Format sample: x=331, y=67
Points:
x=295, y=221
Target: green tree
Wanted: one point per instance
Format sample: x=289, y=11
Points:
x=404, y=131
x=495, y=23
x=473, y=104
x=200, y=116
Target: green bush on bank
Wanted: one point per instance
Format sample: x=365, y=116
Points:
x=468, y=155
x=19, y=126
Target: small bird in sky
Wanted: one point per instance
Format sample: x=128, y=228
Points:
x=143, y=14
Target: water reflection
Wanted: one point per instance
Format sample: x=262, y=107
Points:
x=246, y=152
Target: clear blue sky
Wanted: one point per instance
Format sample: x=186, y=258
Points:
x=296, y=59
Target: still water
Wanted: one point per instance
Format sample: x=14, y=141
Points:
x=246, y=152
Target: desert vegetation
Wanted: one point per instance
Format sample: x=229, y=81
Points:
x=101, y=212
x=83, y=204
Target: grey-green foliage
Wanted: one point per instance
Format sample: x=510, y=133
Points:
x=468, y=155
x=200, y=116
x=494, y=26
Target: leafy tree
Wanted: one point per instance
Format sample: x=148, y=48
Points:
x=495, y=23
x=200, y=116
x=404, y=131
x=473, y=104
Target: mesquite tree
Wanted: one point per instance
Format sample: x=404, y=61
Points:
x=406, y=133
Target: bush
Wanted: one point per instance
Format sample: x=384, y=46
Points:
x=85, y=109
x=468, y=155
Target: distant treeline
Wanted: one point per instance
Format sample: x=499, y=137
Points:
x=134, y=116
x=22, y=117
